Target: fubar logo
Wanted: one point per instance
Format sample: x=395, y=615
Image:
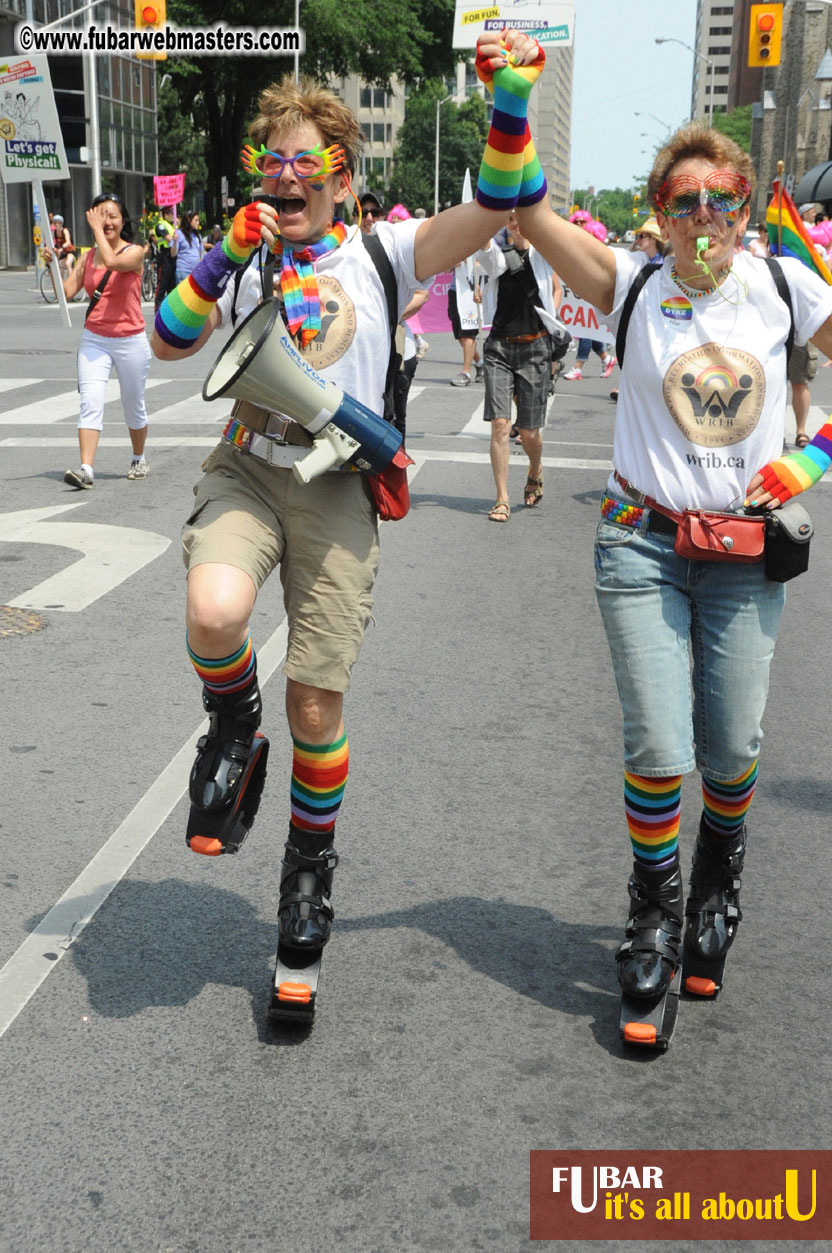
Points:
x=715, y=394
x=754, y=1194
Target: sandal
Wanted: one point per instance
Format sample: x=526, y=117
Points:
x=500, y=512
x=532, y=492
x=801, y=441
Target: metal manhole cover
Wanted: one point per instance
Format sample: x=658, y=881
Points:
x=19, y=621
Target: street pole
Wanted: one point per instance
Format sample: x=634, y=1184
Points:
x=95, y=132
x=439, y=104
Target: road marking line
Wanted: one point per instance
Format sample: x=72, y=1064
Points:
x=41, y=951
x=63, y=405
x=9, y=385
x=111, y=554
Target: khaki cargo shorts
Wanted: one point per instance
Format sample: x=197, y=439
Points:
x=324, y=536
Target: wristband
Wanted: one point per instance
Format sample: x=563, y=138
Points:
x=182, y=315
x=789, y=476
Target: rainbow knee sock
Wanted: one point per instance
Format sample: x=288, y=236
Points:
x=319, y=776
x=725, y=805
x=510, y=167
x=227, y=676
x=653, y=811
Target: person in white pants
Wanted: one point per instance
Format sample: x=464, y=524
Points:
x=114, y=335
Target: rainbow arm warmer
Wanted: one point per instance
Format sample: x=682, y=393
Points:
x=182, y=315
x=510, y=167
x=791, y=475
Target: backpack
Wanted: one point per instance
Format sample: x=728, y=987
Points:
x=648, y=272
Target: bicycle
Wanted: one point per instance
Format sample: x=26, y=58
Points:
x=47, y=287
x=149, y=278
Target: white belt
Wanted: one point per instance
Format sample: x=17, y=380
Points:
x=274, y=453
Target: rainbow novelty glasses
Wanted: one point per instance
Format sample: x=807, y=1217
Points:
x=314, y=163
x=721, y=191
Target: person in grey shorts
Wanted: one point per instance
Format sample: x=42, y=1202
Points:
x=518, y=358
x=803, y=366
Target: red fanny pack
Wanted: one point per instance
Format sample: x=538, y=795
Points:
x=704, y=536
x=389, y=490
x=719, y=536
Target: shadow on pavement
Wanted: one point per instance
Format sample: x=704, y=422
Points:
x=160, y=944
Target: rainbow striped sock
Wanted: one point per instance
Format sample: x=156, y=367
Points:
x=726, y=804
x=226, y=676
x=653, y=811
x=319, y=776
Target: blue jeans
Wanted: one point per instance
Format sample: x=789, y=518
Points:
x=658, y=609
x=585, y=346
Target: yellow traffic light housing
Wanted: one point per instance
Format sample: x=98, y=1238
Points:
x=150, y=15
x=765, y=34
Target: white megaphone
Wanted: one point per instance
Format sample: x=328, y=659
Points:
x=261, y=364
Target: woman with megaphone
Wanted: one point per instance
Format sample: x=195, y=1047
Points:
x=251, y=514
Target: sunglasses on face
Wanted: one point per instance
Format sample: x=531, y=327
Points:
x=370, y=212
x=721, y=191
x=315, y=163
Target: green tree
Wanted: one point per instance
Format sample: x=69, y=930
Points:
x=736, y=125
x=615, y=207
x=342, y=36
x=463, y=130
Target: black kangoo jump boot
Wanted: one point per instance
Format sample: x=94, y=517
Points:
x=649, y=968
x=222, y=754
x=713, y=909
x=649, y=956
x=304, y=912
x=229, y=772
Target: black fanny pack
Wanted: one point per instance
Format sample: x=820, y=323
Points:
x=788, y=532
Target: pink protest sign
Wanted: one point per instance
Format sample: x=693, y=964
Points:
x=168, y=189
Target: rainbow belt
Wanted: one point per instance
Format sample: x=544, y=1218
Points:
x=621, y=511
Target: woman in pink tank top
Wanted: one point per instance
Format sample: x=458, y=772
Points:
x=114, y=335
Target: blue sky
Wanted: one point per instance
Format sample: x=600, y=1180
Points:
x=620, y=69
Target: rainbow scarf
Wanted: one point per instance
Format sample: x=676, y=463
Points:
x=299, y=285
x=787, y=234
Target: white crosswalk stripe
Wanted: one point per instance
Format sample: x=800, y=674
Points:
x=57, y=408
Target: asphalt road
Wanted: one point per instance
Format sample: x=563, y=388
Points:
x=468, y=1009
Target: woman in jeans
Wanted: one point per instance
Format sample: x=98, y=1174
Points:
x=703, y=390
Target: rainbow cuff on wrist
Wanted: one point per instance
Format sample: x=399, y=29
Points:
x=789, y=476
x=533, y=180
x=181, y=317
x=509, y=165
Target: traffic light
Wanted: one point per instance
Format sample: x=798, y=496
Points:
x=150, y=15
x=765, y=34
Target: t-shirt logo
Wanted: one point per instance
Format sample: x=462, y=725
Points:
x=337, y=324
x=715, y=394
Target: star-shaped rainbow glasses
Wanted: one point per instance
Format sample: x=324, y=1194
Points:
x=315, y=163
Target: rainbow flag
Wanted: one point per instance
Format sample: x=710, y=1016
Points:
x=787, y=234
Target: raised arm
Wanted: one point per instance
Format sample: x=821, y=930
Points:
x=128, y=260
x=509, y=65
x=187, y=317
x=585, y=264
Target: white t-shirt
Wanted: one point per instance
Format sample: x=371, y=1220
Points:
x=352, y=348
x=703, y=386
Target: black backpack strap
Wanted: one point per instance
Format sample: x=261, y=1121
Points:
x=384, y=269
x=629, y=304
x=786, y=296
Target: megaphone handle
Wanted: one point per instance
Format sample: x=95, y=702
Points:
x=332, y=447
